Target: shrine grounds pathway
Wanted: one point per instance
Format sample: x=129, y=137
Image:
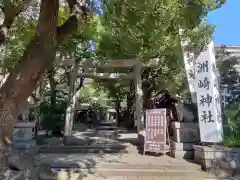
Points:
x=77, y=162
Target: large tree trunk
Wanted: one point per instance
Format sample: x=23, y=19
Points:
x=24, y=76
x=37, y=58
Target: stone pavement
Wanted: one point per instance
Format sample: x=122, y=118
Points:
x=119, y=166
x=136, y=166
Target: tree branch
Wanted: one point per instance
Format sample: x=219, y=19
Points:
x=80, y=85
x=65, y=30
x=10, y=11
x=50, y=76
x=71, y=4
x=79, y=14
x=35, y=99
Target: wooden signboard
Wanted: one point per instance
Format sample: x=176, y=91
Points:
x=156, y=131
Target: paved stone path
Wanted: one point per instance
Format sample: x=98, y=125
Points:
x=123, y=166
x=120, y=166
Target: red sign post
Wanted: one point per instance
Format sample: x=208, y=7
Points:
x=156, y=131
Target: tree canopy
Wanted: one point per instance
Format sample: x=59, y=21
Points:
x=149, y=29
x=36, y=33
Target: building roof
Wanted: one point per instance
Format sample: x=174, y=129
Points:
x=233, y=50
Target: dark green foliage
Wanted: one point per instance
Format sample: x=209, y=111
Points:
x=232, y=115
x=232, y=140
x=149, y=29
x=229, y=78
x=53, y=116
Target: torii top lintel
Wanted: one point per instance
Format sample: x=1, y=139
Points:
x=118, y=63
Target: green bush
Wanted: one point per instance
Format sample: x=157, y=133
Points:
x=232, y=140
x=53, y=117
x=232, y=129
x=232, y=116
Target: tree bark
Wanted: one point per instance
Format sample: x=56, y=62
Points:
x=37, y=58
x=23, y=78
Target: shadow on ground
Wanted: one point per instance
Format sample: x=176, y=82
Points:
x=66, y=167
x=136, y=140
x=80, y=156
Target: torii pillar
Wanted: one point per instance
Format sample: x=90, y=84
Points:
x=139, y=113
x=71, y=104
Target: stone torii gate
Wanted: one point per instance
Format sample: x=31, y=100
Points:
x=87, y=68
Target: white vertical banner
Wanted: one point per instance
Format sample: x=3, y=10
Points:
x=189, y=63
x=208, y=96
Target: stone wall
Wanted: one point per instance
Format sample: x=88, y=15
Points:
x=217, y=157
x=185, y=135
